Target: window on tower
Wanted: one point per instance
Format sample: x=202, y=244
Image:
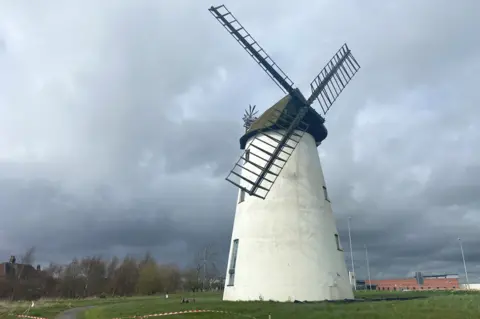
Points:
x=233, y=261
x=337, y=241
x=242, y=196
x=325, y=194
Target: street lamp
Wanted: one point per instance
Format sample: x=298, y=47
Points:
x=368, y=268
x=351, y=255
x=464, y=263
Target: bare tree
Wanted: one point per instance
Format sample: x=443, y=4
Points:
x=205, y=266
x=53, y=274
x=94, y=272
x=95, y=276
x=111, y=273
x=149, y=281
x=28, y=257
x=126, y=277
x=19, y=273
x=147, y=260
x=209, y=265
x=72, y=280
x=170, y=277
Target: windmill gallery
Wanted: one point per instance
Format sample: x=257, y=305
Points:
x=285, y=244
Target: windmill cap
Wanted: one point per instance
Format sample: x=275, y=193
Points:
x=269, y=118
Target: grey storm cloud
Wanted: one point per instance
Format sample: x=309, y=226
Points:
x=120, y=119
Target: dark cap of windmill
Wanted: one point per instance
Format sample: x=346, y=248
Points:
x=290, y=104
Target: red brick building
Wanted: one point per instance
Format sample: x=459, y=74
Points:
x=20, y=281
x=20, y=271
x=432, y=282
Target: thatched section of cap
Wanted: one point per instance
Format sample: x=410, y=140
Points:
x=270, y=117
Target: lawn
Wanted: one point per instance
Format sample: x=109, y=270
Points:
x=49, y=308
x=435, y=305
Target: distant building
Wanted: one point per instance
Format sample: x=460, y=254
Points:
x=20, y=271
x=363, y=285
x=20, y=281
x=419, y=282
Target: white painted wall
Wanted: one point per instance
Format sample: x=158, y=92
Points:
x=287, y=248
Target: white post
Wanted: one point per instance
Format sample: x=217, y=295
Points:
x=464, y=263
x=351, y=255
x=368, y=268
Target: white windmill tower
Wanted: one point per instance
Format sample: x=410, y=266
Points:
x=285, y=246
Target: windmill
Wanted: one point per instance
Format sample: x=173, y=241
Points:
x=290, y=248
x=289, y=119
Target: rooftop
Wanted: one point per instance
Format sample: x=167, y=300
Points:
x=290, y=104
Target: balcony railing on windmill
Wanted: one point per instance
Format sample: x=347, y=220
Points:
x=270, y=154
x=334, y=77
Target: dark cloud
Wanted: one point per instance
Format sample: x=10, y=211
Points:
x=118, y=123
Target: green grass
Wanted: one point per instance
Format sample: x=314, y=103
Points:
x=451, y=305
x=49, y=308
x=437, y=305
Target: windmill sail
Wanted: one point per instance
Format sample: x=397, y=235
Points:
x=334, y=77
x=242, y=36
x=257, y=169
x=264, y=158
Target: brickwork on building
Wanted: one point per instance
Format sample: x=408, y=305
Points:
x=411, y=284
x=24, y=270
x=3, y=269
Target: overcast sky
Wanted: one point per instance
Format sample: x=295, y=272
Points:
x=120, y=119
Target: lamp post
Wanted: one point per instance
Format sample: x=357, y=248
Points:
x=351, y=255
x=368, y=268
x=464, y=263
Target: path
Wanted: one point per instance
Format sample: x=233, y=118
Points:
x=72, y=313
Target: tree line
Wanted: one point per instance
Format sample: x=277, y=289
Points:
x=96, y=276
